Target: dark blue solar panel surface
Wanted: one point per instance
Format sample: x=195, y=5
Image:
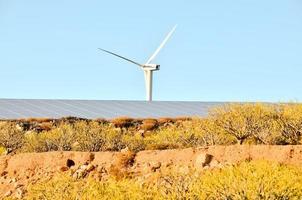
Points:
x=26, y=108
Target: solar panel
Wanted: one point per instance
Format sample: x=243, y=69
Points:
x=91, y=109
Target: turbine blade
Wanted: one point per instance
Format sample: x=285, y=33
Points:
x=161, y=45
x=121, y=57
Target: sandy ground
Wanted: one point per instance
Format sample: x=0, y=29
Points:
x=17, y=171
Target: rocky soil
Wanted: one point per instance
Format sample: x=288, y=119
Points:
x=20, y=170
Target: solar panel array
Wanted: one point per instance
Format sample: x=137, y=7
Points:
x=91, y=109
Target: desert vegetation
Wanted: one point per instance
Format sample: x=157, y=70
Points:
x=247, y=180
x=221, y=156
x=274, y=124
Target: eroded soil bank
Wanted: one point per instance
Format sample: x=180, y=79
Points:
x=17, y=171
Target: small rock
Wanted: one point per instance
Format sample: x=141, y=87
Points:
x=19, y=193
x=90, y=167
x=63, y=168
x=7, y=151
x=215, y=164
x=83, y=167
x=203, y=160
x=81, y=174
x=13, y=180
x=75, y=175
x=141, y=133
x=125, y=150
x=102, y=169
x=170, y=163
x=18, y=185
x=8, y=193
x=155, y=165
x=206, y=167
x=19, y=127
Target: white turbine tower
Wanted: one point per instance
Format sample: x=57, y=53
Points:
x=147, y=67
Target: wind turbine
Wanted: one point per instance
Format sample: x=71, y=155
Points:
x=148, y=67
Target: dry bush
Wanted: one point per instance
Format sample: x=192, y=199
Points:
x=38, y=120
x=192, y=133
x=10, y=137
x=120, y=167
x=149, y=124
x=101, y=121
x=122, y=122
x=178, y=121
x=172, y=137
x=79, y=136
x=90, y=136
x=46, y=126
x=58, y=139
x=70, y=120
x=164, y=138
x=134, y=142
x=244, y=121
x=164, y=121
x=209, y=133
x=289, y=119
x=114, y=140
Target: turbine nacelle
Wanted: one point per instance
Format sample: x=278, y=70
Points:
x=151, y=67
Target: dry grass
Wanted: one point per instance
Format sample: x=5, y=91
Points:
x=248, y=180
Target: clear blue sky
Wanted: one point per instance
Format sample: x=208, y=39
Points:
x=248, y=50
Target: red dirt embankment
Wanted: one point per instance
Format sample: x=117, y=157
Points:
x=17, y=171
